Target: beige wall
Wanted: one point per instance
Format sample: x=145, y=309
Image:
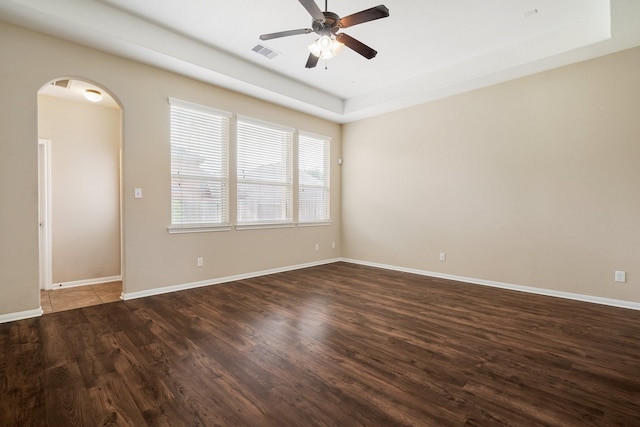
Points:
x=152, y=257
x=85, y=174
x=533, y=182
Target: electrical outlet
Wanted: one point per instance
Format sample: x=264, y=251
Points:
x=443, y=256
x=333, y=245
x=620, y=276
x=200, y=261
x=317, y=246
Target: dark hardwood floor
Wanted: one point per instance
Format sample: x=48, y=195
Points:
x=338, y=345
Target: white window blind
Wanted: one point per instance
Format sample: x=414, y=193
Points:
x=264, y=167
x=199, y=165
x=313, y=178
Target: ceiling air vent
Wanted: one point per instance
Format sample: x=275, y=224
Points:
x=265, y=51
x=61, y=83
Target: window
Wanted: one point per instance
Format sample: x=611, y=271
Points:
x=313, y=178
x=264, y=167
x=199, y=166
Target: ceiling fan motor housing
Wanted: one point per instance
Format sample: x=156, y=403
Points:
x=330, y=25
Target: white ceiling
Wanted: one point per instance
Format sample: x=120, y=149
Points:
x=426, y=49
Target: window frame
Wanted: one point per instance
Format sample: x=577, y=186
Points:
x=223, y=179
x=287, y=183
x=326, y=185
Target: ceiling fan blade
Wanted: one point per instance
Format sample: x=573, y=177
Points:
x=356, y=45
x=312, y=61
x=364, y=16
x=285, y=33
x=313, y=9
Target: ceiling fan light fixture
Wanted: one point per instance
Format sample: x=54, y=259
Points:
x=325, y=47
x=93, y=95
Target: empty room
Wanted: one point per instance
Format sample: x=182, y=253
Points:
x=306, y=213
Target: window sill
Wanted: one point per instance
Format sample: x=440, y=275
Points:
x=314, y=224
x=198, y=229
x=259, y=226
x=239, y=227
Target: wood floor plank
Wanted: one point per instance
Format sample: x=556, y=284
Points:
x=339, y=344
x=66, y=399
x=147, y=389
x=91, y=355
x=21, y=387
x=55, y=351
x=113, y=404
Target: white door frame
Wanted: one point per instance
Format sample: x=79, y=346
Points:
x=44, y=212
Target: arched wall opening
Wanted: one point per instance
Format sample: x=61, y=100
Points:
x=80, y=194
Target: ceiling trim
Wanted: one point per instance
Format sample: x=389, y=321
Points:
x=124, y=35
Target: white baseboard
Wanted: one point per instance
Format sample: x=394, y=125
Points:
x=85, y=282
x=10, y=317
x=217, y=281
x=20, y=315
x=532, y=290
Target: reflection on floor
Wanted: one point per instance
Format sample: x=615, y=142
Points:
x=82, y=296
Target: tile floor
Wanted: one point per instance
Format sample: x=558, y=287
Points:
x=82, y=296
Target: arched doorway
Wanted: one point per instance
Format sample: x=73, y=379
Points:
x=80, y=146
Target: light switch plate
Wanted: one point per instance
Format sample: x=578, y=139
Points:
x=137, y=193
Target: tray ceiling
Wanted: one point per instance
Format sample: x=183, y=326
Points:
x=426, y=49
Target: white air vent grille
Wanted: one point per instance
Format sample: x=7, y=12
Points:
x=61, y=83
x=265, y=51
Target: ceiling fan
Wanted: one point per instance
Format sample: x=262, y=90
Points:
x=327, y=24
